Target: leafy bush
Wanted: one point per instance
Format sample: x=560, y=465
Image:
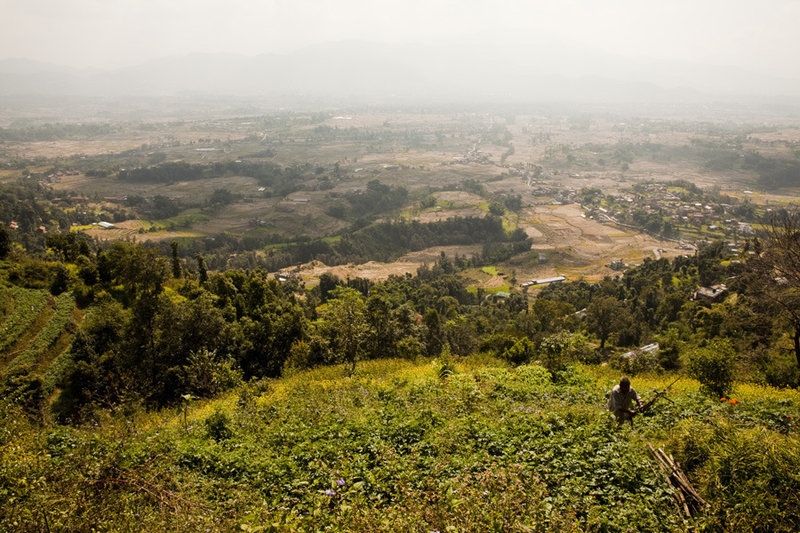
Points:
x=669, y=352
x=410, y=347
x=558, y=349
x=444, y=365
x=713, y=366
x=498, y=343
x=521, y=352
x=218, y=426
x=32, y=274
x=307, y=354
x=553, y=352
x=208, y=374
x=781, y=370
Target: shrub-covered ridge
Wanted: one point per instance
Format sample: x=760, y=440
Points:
x=397, y=448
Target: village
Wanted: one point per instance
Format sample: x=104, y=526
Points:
x=676, y=211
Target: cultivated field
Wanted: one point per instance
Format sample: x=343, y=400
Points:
x=539, y=157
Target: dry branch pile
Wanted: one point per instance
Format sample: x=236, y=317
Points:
x=688, y=499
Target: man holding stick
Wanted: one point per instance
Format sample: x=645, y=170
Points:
x=620, y=400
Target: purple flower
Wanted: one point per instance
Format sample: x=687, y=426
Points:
x=340, y=482
x=330, y=492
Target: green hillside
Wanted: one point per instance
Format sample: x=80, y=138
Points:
x=22, y=307
x=404, y=446
x=141, y=391
x=37, y=330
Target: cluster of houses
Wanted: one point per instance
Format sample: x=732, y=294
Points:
x=55, y=177
x=559, y=196
x=13, y=224
x=658, y=199
x=473, y=156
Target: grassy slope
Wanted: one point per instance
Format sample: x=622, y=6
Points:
x=43, y=334
x=36, y=333
x=24, y=307
x=395, y=448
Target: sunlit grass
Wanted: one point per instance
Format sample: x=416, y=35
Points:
x=508, y=225
x=321, y=449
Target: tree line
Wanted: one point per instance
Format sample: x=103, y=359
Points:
x=158, y=327
x=387, y=241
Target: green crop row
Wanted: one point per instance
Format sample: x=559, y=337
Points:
x=49, y=333
x=28, y=304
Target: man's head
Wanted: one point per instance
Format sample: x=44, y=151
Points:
x=624, y=385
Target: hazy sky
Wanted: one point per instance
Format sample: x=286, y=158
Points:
x=106, y=33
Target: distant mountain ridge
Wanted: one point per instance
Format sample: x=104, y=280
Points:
x=434, y=72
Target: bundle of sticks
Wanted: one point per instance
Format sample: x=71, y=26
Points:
x=688, y=499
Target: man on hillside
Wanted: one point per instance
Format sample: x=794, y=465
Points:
x=620, y=399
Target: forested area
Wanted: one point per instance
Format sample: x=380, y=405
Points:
x=386, y=241
x=157, y=328
x=277, y=180
x=56, y=131
x=774, y=173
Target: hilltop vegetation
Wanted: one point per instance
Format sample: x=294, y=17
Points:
x=155, y=328
x=403, y=446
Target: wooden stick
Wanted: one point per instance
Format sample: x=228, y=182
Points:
x=686, y=496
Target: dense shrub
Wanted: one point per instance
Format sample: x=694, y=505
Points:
x=521, y=352
x=713, y=366
x=781, y=370
x=218, y=426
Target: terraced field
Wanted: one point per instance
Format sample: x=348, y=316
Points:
x=36, y=332
x=23, y=307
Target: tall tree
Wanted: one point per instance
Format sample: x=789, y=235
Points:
x=775, y=271
x=176, y=262
x=344, y=323
x=141, y=271
x=604, y=316
x=201, y=268
x=5, y=241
